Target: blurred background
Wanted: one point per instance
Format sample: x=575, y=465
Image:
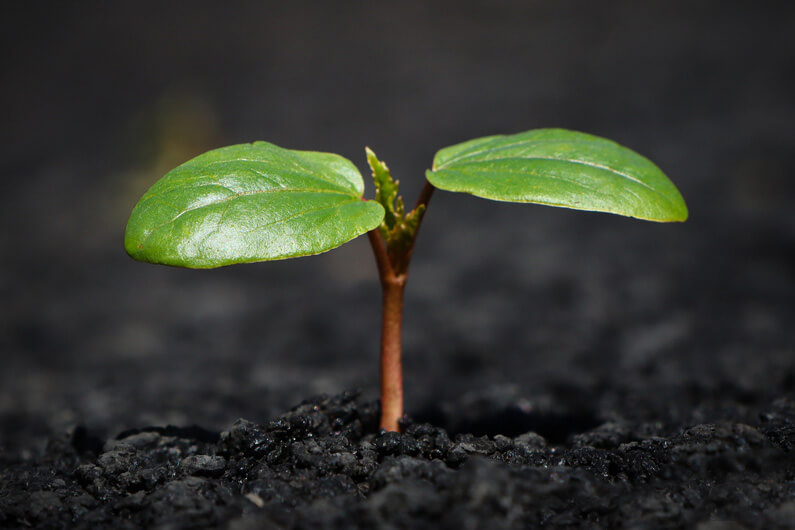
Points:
x=548, y=308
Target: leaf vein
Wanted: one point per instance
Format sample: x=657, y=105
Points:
x=508, y=146
x=539, y=175
x=299, y=214
x=586, y=163
x=228, y=200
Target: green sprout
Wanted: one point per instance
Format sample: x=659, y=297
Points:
x=259, y=202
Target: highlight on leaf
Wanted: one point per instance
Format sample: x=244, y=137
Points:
x=256, y=202
x=558, y=167
x=247, y=203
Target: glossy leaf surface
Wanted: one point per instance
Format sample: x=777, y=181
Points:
x=557, y=167
x=247, y=203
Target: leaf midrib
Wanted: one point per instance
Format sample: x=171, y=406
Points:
x=522, y=142
x=571, y=161
x=236, y=196
x=314, y=172
x=189, y=180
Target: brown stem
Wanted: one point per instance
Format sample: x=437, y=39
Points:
x=381, y=258
x=425, y=196
x=422, y=200
x=391, y=363
x=393, y=272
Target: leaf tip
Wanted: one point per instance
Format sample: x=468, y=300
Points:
x=682, y=212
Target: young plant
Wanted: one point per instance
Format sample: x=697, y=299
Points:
x=259, y=202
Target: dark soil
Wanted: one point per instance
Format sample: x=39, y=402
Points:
x=324, y=465
x=562, y=369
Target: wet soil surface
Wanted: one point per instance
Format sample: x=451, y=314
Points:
x=324, y=465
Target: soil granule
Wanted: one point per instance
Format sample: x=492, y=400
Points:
x=325, y=465
x=562, y=369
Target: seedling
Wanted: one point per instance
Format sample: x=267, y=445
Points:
x=259, y=202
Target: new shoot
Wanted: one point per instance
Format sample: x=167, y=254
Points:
x=260, y=202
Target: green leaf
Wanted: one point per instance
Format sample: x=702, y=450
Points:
x=563, y=168
x=386, y=191
x=247, y=203
x=399, y=226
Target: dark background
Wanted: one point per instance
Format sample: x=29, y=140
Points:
x=550, y=307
